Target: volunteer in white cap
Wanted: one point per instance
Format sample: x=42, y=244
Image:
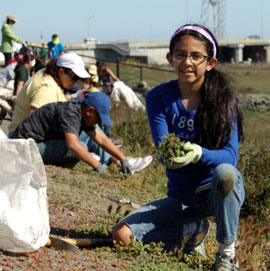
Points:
x=47, y=86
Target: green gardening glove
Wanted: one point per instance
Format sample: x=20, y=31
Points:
x=195, y=150
x=193, y=153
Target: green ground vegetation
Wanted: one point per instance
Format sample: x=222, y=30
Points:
x=254, y=160
x=78, y=203
x=254, y=163
x=247, y=78
x=253, y=244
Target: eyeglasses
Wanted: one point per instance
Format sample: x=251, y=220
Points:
x=72, y=75
x=195, y=58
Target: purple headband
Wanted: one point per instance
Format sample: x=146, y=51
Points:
x=197, y=29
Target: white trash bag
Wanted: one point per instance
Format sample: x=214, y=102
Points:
x=2, y=134
x=122, y=92
x=24, y=216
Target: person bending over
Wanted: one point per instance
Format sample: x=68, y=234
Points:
x=56, y=128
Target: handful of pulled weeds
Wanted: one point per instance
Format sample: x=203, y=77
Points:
x=171, y=149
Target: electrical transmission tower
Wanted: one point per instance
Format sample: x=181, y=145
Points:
x=213, y=16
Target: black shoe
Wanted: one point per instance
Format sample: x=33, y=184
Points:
x=194, y=243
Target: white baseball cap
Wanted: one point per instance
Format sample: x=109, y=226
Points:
x=74, y=62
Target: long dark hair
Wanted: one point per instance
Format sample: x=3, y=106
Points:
x=53, y=70
x=219, y=110
x=26, y=58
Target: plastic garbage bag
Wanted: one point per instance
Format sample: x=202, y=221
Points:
x=2, y=134
x=5, y=106
x=7, y=74
x=24, y=216
x=122, y=92
x=5, y=93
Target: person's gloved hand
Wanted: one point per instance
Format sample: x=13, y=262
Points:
x=195, y=149
x=101, y=169
x=193, y=153
x=126, y=167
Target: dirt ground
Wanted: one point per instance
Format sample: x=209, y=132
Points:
x=82, y=204
x=76, y=209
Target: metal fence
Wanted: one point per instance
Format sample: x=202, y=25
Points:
x=118, y=64
x=141, y=68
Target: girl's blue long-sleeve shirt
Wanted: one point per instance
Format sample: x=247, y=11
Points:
x=167, y=114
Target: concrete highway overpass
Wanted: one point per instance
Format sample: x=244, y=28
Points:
x=154, y=52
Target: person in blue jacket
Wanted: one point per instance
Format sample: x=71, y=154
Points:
x=202, y=110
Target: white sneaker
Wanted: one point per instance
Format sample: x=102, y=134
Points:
x=225, y=263
x=139, y=163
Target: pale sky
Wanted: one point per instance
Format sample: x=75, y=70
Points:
x=125, y=20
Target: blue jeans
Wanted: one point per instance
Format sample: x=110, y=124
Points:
x=163, y=220
x=56, y=152
x=92, y=146
x=10, y=134
x=108, y=131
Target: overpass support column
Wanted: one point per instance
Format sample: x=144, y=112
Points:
x=238, y=52
x=267, y=49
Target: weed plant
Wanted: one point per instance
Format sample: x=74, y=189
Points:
x=255, y=167
x=254, y=164
x=132, y=127
x=253, y=245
